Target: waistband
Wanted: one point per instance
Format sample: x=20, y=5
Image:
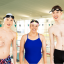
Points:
x=6, y=58
x=58, y=50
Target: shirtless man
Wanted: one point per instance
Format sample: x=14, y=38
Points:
x=6, y=37
x=57, y=31
x=33, y=42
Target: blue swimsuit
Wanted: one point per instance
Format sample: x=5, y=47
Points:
x=33, y=50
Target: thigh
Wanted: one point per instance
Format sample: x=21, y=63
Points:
x=41, y=61
x=57, y=57
x=25, y=61
x=58, y=61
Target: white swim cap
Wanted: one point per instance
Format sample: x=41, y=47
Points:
x=9, y=14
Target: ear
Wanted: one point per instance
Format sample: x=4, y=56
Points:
x=52, y=13
x=4, y=19
x=61, y=13
x=30, y=25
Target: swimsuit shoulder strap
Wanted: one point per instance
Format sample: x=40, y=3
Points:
x=27, y=36
x=38, y=35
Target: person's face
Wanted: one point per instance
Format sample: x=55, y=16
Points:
x=34, y=27
x=57, y=15
x=8, y=22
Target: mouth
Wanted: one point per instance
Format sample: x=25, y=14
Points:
x=8, y=24
x=55, y=17
x=34, y=29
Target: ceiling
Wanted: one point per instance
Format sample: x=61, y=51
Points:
x=28, y=9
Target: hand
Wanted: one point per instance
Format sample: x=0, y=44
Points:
x=52, y=62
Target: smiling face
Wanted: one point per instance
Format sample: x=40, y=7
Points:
x=34, y=27
x=8, y=22
x=56, y=15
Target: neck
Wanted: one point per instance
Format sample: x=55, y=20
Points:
x=6, y=28
x=33, y=34
x=58, y=21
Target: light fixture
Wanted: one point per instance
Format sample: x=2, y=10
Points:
x=24, y=15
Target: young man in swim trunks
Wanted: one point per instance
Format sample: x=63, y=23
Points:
x=6, y=37
x=57, y=31
x=33, y=42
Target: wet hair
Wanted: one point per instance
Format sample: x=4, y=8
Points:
x=34, y=21
x=57, y=8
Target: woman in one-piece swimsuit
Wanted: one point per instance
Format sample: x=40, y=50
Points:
x=33, y=42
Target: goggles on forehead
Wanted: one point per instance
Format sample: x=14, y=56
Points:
x=9, y=16
x=57, y=9
x=34, y=21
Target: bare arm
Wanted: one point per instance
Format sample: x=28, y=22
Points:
x=21, y=49
x=51, y=45
x=44, y=50
x=14, y=49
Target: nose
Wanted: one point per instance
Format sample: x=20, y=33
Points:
x=9, y=22
x=34, y=26
x=55, y=14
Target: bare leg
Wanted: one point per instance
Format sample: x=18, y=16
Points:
x=41, y=61
x=25, y=61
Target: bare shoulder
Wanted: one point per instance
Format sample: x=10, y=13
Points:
x=51, y=29
x=14, y=33
x=1, y=28
x=24, y=36
x=41, y=37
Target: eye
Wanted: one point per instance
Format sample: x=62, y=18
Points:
x=53, y=12
x=7, y=19
x=36, y=26
x=57, y=12
x=11, y=20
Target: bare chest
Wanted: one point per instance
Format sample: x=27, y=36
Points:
x=6, y=36
x=59, y=31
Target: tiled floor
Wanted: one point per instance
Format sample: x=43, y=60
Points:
x=48, y=60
